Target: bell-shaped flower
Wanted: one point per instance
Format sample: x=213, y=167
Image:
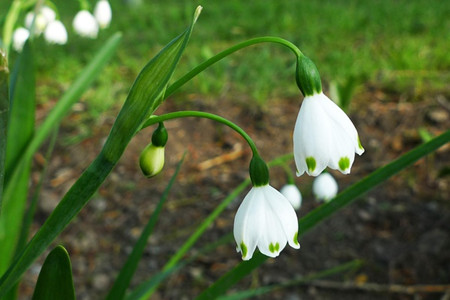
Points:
x=265, y=220
x=325, y=187
x=85, y=24
x=20, y=36
x=292, y=193
x=40, y=22
x=48, y=13
x=324, y=137
x=103, y=13
x=55, y=33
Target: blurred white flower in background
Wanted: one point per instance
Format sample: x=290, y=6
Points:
x=85, y=24
x=325, y=187
x=55, y=33
x=20, y=36
x=292, y=193
x=103, y=13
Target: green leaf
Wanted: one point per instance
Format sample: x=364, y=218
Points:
x=143, y=98
x=20, y=130
x=126, y=274
x=55, y=279
x=326, y=210
x=4, y=116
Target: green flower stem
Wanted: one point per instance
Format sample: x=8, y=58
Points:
x=199, y=114
x=200, y=68
x=288, y=171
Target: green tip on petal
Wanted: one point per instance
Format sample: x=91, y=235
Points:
x=274, y=248
x=344, y=163
x=359, y=144
x=243, y=249
x=296, y=238
x=311, y=163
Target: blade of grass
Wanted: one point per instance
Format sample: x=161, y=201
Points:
x=326, y=210
x=143, y=98
x=123, y=280
x=29, y=215
x=55, y=279
x=20, y=130
x=349, y=266
x=4, y=116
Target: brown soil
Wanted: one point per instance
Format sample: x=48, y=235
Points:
x=400, y=230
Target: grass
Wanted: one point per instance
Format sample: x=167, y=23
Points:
x=396, y=44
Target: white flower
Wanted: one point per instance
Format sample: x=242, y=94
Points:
x=292, y=193
x=20, y=36
x=85, y=24
x=325, y=187
x=103, y=13
x=39, y=24
x=265, y=219
x=324, y=136
x=55, y=33
x=48, y=13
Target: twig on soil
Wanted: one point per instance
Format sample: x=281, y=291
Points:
x=381, y=288
x=221, y=159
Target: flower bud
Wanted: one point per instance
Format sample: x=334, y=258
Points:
x=307, y=77
x=160, y=136
x=151, y=160
x=325, y=187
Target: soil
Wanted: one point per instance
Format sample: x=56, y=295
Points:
x=400, y=230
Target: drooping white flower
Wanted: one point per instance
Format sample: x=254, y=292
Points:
x=39, y=24
x=85, y=24
x=324, y=136
x=48, y=13
x=292, y=193
x=20, y=36
x=325, y=187
x=103, y=13
x=55, y=33
x=265, y=220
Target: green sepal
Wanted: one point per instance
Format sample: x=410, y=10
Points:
x=160, y=136
x=308, y=77
x=259, y=172
x=55, y=279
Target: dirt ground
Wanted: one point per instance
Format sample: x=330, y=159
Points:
x=400, y=229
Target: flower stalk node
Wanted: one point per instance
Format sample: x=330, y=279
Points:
x=307, y=77
x=259, y=172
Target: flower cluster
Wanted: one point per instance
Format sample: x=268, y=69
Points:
x=323, y=137
x=45, y=22
x=87, y=24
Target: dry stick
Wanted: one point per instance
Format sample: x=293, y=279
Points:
x=380, y=288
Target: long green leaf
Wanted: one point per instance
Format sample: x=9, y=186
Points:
x=4, y=116
x=20, y=131
x=55, y=279
x=18, y=163
x=326, y=210
x=123, y=280
x=142, y=100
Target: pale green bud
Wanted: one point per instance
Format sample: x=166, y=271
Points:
x=151, y=160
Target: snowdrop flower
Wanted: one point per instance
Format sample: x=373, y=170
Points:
x=324, y=136
x=292, y=193
x=103, y=13
x=85, y=24
x=39, y=24
x=20, y=36
x=48, y=13
x=265, y=218
x=151, y=160
x=325, y=187
x=55, y=33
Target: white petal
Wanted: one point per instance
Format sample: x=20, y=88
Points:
x=55, y=33
x=85, y=24
x=20, y=36
x=103, y=13
x=311, y=137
